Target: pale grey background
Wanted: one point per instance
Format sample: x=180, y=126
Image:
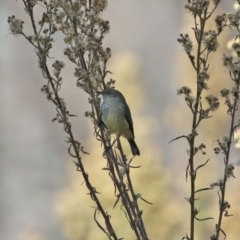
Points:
x=32, y=149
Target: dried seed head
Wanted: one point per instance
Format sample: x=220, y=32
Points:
x=225, y=92
x=15, y=25
x=213, y=102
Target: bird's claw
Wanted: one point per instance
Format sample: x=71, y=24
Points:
x=106, y=150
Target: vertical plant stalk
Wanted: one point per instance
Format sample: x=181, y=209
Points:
x=228, y=170
x=206, y=43
x=195, y=124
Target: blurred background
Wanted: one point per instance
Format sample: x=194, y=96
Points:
x=42, y=196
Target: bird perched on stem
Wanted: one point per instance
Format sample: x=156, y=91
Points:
x=117, y=117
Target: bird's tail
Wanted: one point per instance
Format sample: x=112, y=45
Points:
x=134, y=147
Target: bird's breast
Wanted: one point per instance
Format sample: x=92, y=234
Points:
x=113, y=116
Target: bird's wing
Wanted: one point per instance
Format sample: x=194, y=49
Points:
x=129, y=118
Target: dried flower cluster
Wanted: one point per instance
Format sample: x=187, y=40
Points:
x=229, y=171
x=186, y=42
x=234, y=20
x=213, y=102
x=234, y=68
x=15, y=25
x=220, y=21
x=84, y=30
x=198, y=7
x=210, y=40
x=203, y=76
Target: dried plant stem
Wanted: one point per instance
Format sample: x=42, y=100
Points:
x=194, y=126
x=67, y=125
x=206, y=42
x=222, y=201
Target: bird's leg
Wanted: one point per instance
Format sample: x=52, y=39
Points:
x=102, y=124
x=109, y=147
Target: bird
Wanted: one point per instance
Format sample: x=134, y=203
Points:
x=116, y=116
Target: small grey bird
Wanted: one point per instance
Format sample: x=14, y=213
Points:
x=117, y=117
